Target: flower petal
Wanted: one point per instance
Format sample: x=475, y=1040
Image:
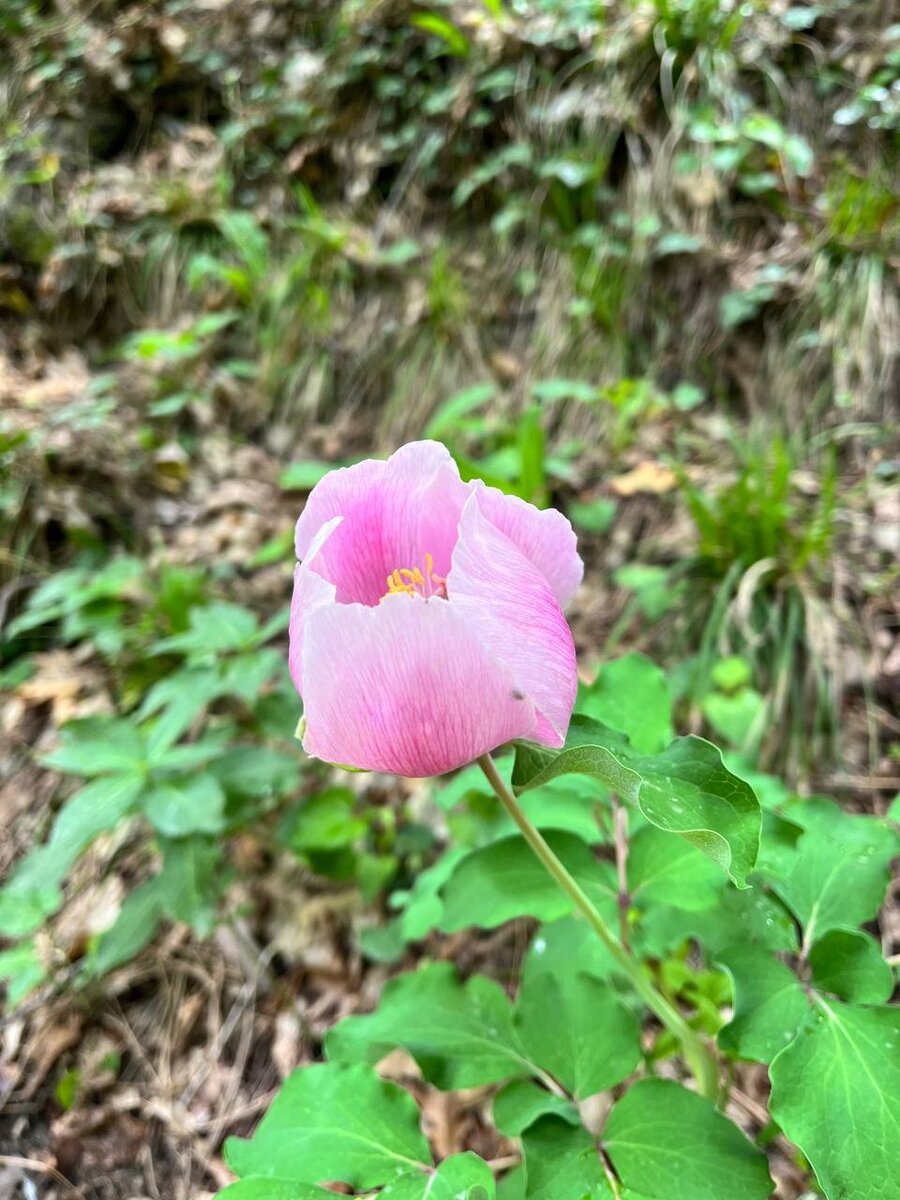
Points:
x=405, y=687
x=311, y=590
x=395, y=512
x=544, y=536
x=511, y=608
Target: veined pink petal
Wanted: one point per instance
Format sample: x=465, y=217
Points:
x=311, y=590
x=405, y=687
x=510, y=607
x=544, y=536
x=394, y=513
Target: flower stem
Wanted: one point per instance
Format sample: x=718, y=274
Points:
x=697, y=1055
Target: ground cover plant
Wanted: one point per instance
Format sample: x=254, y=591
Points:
x=631, y=263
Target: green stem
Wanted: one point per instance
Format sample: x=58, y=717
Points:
x=697, y=1055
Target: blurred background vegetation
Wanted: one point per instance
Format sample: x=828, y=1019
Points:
x=636, y=260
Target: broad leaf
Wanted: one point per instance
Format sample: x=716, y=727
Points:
x=571, y=1030
x=522, y=1102
x=815, y=881
x=751, y=916
x=192, y=805
x=665, y=871
x=559, y=944
x=848, y=964
x=460, y=1034
x=505, y=880
x=334, y=1122
x=98, y=746
x=686, y=789
x=770, y=1004
x=461, y=1177
x=631, y=695
x=273, y=1189
x=562, y=1163
x=576, y=1030
x=670, y=1144
x=836, y=1094
x=324, y=822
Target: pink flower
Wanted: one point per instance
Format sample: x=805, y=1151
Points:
x=426, y=623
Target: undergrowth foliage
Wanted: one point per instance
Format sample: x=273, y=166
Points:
x=746, y=905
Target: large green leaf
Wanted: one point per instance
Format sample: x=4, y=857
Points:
x=670, y=1144
x=461, y=1034
x=663, y=870
x=505, y=880
x=559, y=944
x=751, y=916
x=273, y=1189
x=848, y=964
x=522, y=1102
x=571, y=1030
x=576, y=1030
x=334, y=1122
x=98, y=746
x=192, y=805
x=562, y=1163
x=461, y=1177
x=836, y=1094
x=815, y=880
x=686, y=789
x=631, y=695
x=770, y=1004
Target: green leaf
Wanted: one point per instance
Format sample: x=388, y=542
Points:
x=213, y=629
x=98, y=746
x=848, y=964
x=273, y=1189
x=576, y=1030
x=814, y=882
x=464, y=1035
x=446, y=420
x=522, y=1102
x=455, y=41
x=256, y=771
x=460, y=1034
x=191, y=880
x=33, y=890
x=732, y=673
x=505, y=880
x=559, y=944
x=686, y=789
x=752, y=915
x=23, y=970
x=670, y=1144
x=595, y=516
x=631, y=695
x=192, y=805
x=770, y=1004
x=734, y=717
x=664, y=871
x=836, y=1095
x=325, y=822
x=134, y=928
x=460, y=1177
x=332, y=1121
x=562, y=1163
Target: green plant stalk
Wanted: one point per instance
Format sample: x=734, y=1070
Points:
x=697, y=1055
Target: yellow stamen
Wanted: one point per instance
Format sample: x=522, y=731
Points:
x=410, y=581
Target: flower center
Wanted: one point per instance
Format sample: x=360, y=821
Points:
x=405, y=581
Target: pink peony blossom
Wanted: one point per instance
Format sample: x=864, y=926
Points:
x=426, y=622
